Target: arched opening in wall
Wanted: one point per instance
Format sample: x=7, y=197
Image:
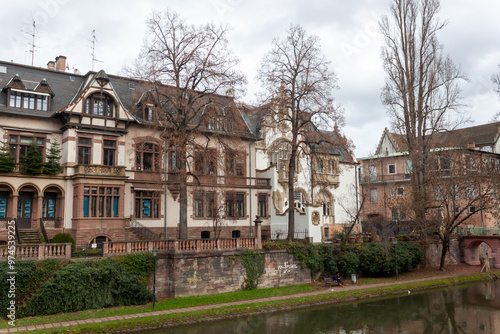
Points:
x=98, y=241
x=236, y=234
x=5, y=203
x=27, y=205
x=484, y=253
x=52, y=207
x=205, y=234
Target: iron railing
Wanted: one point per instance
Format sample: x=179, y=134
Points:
x=138, y=228
x=44, y=233
x=284, y=235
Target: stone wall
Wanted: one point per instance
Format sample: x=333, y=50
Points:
x=432, y=257
x=180, y=275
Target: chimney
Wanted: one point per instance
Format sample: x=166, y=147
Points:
x=61, y=63
x=51, y=65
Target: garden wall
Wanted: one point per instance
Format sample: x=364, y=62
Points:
x=179, y=275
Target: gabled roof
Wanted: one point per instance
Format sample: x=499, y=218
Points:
x=61, y=85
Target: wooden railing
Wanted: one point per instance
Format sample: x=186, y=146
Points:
x=177, y=246
x=38, y=251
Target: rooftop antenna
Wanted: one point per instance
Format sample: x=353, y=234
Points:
x=32, y=44
x=93, y=41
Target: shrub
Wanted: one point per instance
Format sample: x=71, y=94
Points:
x=62, y=238
x=315, y=257
x=30, y=277
x=348, y=263
x=139, y=265
x=87, y=285
x=379, y=260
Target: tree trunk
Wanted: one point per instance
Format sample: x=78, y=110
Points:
x=183, y=211
x=444, y=251
x=291, y=197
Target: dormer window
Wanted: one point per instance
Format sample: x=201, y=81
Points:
x=29, y=101
x=29, y=95
x=99, y=104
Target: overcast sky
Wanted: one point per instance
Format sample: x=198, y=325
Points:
x=347, y=29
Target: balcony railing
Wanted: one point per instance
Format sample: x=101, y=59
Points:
x=325, y=179
x=384, y=178
x=38, y=251
x=100, y=170
x=174, y=179
x=177, y=246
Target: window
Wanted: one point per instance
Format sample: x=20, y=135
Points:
x=236, y=234
x=18, y=145
x=455, y=189
x=235, y=163
x=100, y=201
x=262, y=205
x=471, y=191
x=204, y=204
x=29, y=101
x=373, y=195
x=147, y=204
x=327, y=208
x=84, y=150
x=205, y=162
x=400, y=191
x=391, y=169
x=299, y=198
x=99, y=104
x=109, y=149
x=398, y=214
x=147, y=157
x=472, y=209
x=172, y=159
x=439, y=193
x=331, y=166
x=148, y=114
x=320, y=166
x=279, y=154
x=456, y=209
x=235, y=205
x=49, y=205
x=408, y=168
x=373, y=172
x=205, y=234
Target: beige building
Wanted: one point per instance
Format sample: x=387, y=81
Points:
x=114, y=173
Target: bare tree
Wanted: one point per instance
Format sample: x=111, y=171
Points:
x=496, y=81
x=422, y=92
x=353, y=210
x=187, y=66
x=296, y=76
x=465, y=184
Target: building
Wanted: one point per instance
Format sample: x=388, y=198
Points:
x=326, y=184
x=385, y=176
x=114, y=177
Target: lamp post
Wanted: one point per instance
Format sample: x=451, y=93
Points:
x=155, y=253
x=395, y=242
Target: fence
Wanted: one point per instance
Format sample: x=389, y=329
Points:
x=37, y=251
x=284, y=235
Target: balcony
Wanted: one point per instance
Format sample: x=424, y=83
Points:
x=384, y=178
x=325, y=179
x=99, y=170
x=283, y=177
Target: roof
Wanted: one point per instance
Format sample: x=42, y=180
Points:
x=62, y=84
x=479, y=135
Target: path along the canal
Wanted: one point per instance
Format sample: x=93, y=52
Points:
x=430, y=273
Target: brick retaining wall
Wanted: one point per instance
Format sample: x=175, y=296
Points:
x=180, y=275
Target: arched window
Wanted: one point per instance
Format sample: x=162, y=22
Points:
x=299, y=199
x=279, y=154
x=99, y=104
x=326, y=201
x=148, y=157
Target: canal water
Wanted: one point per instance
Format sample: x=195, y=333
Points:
x=470, y=309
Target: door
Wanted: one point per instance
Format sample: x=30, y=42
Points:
x=24, y=210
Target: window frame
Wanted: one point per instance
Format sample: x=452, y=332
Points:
x=262, y=205
x=18, y=145
x=204, y=204
x=235, y=205
x=389, y=165
x=141, y=197
x=108, y=105
x=109, y=152
x=142, y=150
x=83, y=155
x=101, y=201
x=28, y=100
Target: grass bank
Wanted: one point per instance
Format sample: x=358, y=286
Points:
x=212, y=314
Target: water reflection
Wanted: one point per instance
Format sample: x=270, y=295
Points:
x=472, y=309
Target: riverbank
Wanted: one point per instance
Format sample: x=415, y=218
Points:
x=192, y=310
